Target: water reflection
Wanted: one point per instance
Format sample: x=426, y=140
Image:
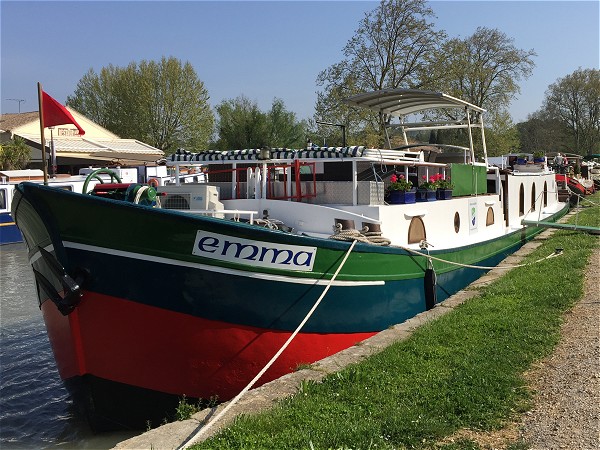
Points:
x=35, y=408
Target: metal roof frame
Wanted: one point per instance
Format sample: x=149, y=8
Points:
x=402, y=102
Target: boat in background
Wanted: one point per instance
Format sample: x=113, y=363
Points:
x=145, y=304
x=574, y=174
x=9, y=233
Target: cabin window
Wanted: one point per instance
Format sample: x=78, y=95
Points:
x=456, y=222
x=416, y=231
x=545, y=193
x=2, y=198
x=489, y=219
x=521, y=200
x=533, y=197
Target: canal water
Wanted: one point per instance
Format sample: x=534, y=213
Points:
x=35, y=408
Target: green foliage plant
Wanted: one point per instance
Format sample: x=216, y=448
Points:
x=399, y=183
x=14, y=155
x=429, y=184
x=443, y=182
x=184, y=409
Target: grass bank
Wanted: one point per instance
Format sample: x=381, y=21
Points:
x=463, y=371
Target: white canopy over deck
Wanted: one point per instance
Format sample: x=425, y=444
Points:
x=403, y=102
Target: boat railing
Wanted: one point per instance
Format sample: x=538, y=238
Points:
x=319, y=192
x=295, y=181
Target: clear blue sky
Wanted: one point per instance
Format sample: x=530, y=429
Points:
x=261, y=49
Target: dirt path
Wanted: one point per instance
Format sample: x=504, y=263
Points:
x=566, y=385
x=566, y=413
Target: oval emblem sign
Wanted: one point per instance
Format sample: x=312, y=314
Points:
x=254, y=253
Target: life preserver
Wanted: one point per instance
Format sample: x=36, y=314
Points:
x=153, y=182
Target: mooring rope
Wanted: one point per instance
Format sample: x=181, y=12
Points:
x=375, y=238
x=365, y=236
x=583, y=199
x=556, y=253
x=203, y=430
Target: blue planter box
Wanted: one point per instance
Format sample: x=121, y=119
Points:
x=444, y=194
x=399, y=197
x=425, y=195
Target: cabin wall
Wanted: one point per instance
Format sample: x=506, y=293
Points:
x=458, y=222
x=525, y=194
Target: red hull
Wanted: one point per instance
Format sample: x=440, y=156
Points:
x=164, y=351
x=573, y=184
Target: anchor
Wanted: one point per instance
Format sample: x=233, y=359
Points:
x=71, y=287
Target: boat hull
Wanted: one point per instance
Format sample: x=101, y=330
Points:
x=158, y=319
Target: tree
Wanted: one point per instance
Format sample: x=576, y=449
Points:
x=542, y=133
x=161, y=103
x=483, y=69
x=15, y=155
x=574, y=101
x=502, y=136
x=241, y=124
x=390, y=49
x=283, y=128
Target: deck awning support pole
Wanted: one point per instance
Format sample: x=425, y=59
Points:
x=385, y=130
x=263, y=182
x=471, y=146
x=403, y=130
x=483, y=139
x=354, y=184
x=234, y=191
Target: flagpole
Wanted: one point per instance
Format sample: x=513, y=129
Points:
x=40, y=102
x=52, y=154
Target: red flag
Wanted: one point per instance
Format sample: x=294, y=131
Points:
x=56, y=114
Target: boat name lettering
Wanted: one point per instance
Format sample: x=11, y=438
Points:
x=256, y=253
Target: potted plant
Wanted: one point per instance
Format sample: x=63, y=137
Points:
x=444, y=188
x=522, y=159
x=400, y=190
x=539, y=157
x=426, y=190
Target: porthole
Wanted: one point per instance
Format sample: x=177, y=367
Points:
x=456, y=222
